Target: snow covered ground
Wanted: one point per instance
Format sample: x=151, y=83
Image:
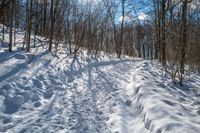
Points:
x=44, y=93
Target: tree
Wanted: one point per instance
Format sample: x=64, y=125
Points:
x=163, y=40
x=157, y=20
x=122, y=31
x=11, y=25
x=53, y=11
x=183, y=39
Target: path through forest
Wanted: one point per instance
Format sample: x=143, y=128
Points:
x=88, y=94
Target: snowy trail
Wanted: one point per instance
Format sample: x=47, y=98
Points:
x=91, y=89
x=93, y=95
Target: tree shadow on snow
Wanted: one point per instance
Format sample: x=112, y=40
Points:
x=18, y=67
x=87, y=114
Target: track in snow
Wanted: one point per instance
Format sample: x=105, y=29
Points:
x=98, y=95
x=82, y=96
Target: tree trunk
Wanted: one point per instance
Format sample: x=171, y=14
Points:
x=45, y=16
x=3, y=36
x=122, y=31
x=183, y=40
x=11, y=25
x=29, y=26
x=163, y=41
x=15, y=24
x=52, y=26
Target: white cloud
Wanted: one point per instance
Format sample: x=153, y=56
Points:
x=142, y=16
x=126, y=18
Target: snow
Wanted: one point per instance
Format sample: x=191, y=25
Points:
x=41, y=92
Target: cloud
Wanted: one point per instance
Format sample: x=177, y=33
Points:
x=126, y=18
x=142, y=16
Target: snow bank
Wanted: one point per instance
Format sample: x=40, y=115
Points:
x=163, y=106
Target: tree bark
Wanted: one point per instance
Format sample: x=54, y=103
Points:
x=52, y=26
x=183, y=39
x=122, y=31
x=163, y=41
x=11, y=25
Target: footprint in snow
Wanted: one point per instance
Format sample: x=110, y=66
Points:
x=7, y=119
x=169, y=102
x=198, y=112
x=24, y=78
x=37, y=104
x=41, y=77
x=7, y=87
x=35, y=97
x=20, y=56
x=128, y=103
x=26, y=95
x=48, y=94
x=37, y=83
x=13, y=103
x=53, y=81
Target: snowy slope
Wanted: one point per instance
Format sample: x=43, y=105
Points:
x=41, y=92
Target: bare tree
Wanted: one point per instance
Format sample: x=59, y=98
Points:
x=11, y=25
x=183, y=39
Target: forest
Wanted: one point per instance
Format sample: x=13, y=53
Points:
x=157, y=39
x=169, y=30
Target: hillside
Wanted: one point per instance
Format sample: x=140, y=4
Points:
x=43, y=92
